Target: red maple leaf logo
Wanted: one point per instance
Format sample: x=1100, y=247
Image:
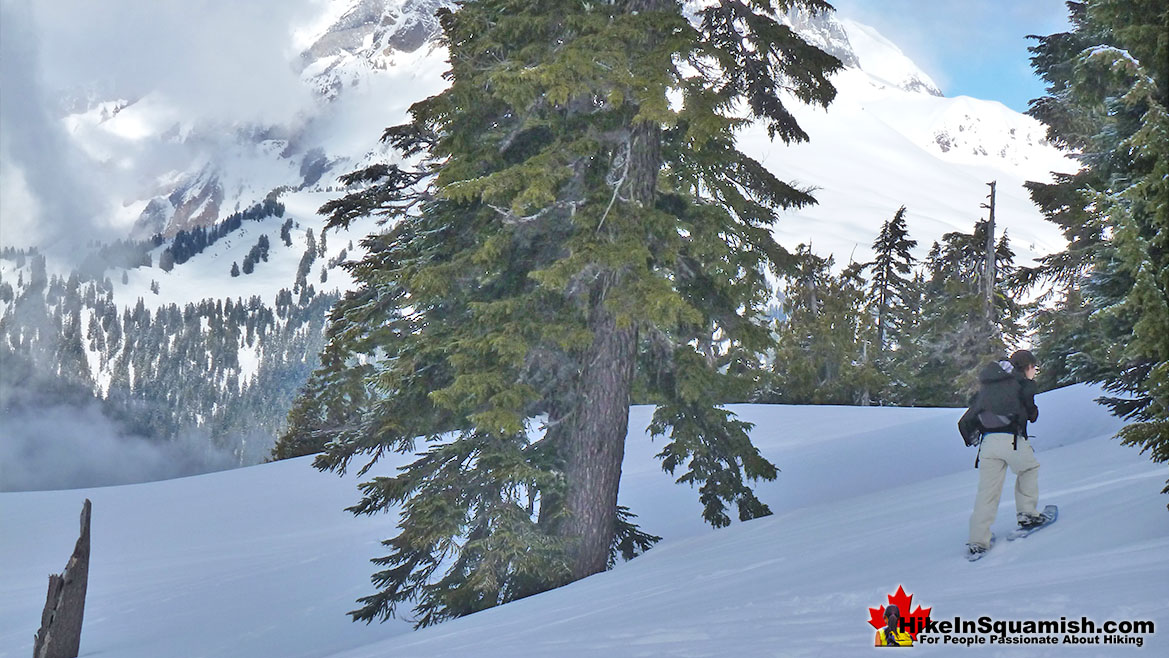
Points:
x=913, y=622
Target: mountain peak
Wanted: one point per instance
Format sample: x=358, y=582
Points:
x=862, y=48
x=883, y=60
x=378, y=26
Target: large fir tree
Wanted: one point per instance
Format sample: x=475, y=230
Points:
x=579, y=219
x=1108, y=90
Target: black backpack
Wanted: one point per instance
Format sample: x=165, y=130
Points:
x=997, y=407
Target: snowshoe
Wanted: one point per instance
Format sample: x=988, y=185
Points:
x=1046, y=518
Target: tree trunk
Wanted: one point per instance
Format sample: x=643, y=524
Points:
x=593, y=457
x=866, y=395
x=594, y=454
x=60, y=632
x=594, y=451
x=989, y=273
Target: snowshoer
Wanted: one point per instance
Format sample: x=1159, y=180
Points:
x=892, y=635
x=1004, y=405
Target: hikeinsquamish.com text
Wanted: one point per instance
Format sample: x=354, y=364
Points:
x=986, y=630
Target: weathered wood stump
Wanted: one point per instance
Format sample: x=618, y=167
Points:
x=60, y=632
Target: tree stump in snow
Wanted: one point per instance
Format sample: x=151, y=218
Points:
x=60, y=632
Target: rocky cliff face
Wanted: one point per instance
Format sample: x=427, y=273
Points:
x=372, y=26
x=364, y=40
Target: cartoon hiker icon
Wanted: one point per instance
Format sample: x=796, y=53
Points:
x=892, y=635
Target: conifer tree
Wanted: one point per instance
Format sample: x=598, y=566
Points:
x=889, y=287
x=953, y=337
x=1108, y=94
x=823, y=342
x=890, y=300
x=579, y=217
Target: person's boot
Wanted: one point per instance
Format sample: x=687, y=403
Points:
x=1030, y=520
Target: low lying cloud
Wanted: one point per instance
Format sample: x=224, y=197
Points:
x=68, y=447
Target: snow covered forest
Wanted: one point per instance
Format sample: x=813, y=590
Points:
x=735, y=242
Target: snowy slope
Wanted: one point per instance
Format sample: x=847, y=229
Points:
x=876, y=148
x=262, y=561
x=208, y=274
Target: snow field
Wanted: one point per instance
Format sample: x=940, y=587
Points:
x=208, y=274
x=262, y=561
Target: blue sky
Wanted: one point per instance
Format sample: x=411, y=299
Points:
x=969, y=47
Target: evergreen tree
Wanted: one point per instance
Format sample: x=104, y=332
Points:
x=583, y=220
x=306, y=261
x=890, y=296
x=286, y=232
x=890, y=283
x=1108, y=90
x=234, y=269
x=953, y=337
x=822, y=353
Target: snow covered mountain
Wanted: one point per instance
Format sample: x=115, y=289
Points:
x=889, y=139
x=158, y=166
x=868, y=500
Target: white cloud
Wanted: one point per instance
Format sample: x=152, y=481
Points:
x=18, y=207
x=215, y=60
x=49, y=190
x=209, y=64
x=69, y=447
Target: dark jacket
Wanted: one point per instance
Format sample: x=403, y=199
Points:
x=1027, y=391
x=1005, y=403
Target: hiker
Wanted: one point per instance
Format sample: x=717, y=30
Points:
x=892, y=635
x=1004, y=406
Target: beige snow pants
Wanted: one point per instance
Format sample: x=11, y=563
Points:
x=997, y=454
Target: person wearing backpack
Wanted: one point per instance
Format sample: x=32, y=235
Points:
x=892, y=635
x=999, y=415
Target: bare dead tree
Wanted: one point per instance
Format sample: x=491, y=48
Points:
x=60, y=632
